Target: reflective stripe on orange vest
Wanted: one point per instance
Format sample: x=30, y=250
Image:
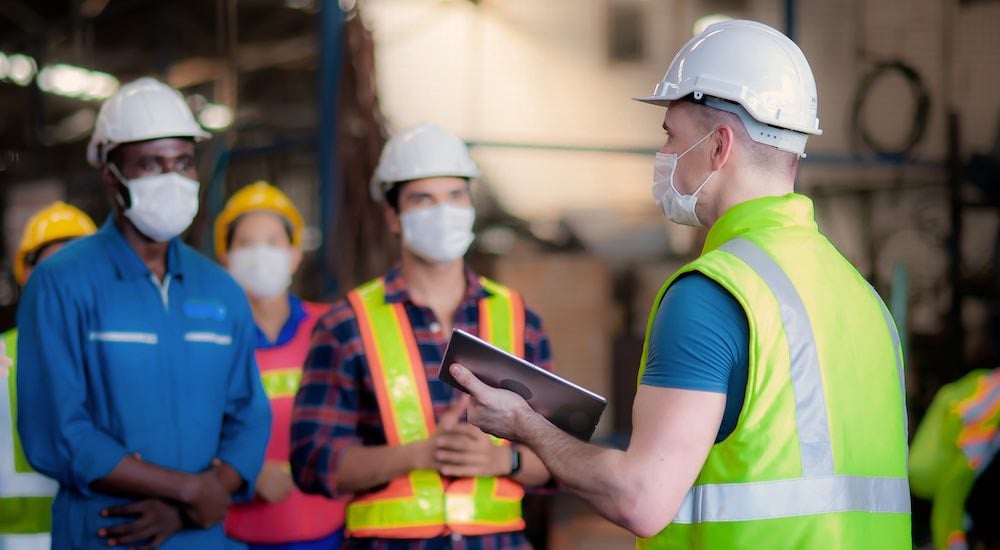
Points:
x=421, y=504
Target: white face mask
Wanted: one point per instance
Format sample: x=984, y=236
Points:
x=439, y=233
x=263, y=271
x=162, y=205
x=679, y=208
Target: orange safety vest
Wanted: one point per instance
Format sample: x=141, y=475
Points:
x=300, y=517
x=423, y=504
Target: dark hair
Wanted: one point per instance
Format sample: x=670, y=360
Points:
x=392, y=194
x=112, y=157
x=231, y=230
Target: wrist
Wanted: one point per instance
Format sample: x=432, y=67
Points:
x=420, y=455
x=228, y=477
x=186, y=489
x=523, y=429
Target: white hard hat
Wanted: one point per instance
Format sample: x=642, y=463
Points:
x=422, y=151
x=141, y=110
x=750, y=65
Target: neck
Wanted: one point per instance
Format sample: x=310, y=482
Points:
x=270, y=314
x=152, y=253
x=437, y=285
x=740, y=188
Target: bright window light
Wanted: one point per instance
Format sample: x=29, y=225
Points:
x=703, y=22
x=22, y=69
x=216, y=116
x=72, y=81
x=102, y=86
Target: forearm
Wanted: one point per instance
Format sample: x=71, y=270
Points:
x=366, y=467
x=595, y=474
x=134, y=478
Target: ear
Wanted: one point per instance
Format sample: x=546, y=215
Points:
x=296, y=258
x=393, y=221
x=722, y=146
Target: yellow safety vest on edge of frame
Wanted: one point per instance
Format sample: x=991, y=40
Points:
x=818, y=456
x=25, y=495
x=955, y=442
x=422, y=504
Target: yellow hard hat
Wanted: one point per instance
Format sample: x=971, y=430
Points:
x=256, y=197
x=57, y=222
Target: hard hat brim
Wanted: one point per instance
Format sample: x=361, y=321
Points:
x=659, y=101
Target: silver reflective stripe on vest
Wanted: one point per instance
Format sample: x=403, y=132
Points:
x=807, y=383
x=40, y=541
x=819, y=490
x=794, y=497
x=897, y=348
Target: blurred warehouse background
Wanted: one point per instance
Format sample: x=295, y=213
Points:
x=303, y=93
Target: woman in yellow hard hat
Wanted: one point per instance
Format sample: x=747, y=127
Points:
x=46, y=232
x=258, y=238
x=27, y=516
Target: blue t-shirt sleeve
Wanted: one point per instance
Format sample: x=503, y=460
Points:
x=700, y=341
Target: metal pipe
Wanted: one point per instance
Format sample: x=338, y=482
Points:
x=790, y=19
x=330, y=61
x=955, y=317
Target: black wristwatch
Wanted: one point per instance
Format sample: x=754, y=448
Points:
x=515, y=460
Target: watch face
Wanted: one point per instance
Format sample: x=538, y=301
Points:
x=515, y=460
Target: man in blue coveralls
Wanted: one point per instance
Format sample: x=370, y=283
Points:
x=142, y=398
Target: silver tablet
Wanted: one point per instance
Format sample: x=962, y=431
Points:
x=569, y=407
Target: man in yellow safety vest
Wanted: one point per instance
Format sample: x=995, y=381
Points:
x=953, y=449
x=770, y=411
x=371, y=419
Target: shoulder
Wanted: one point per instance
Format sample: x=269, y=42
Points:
x=965, y=387
x=81, y=257
x=696, y=312
x=338, y=318
x=71, y=273
x=315, y=309
x=532, y=319
x=695, y=295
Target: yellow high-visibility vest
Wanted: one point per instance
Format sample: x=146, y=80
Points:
x=818, y=456
x=25, y=495
x=422, y=504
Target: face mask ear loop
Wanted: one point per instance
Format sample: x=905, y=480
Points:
x=697, y=143
x=125, y=202
x=704, y=182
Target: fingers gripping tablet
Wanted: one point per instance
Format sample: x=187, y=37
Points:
x=569, y=407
